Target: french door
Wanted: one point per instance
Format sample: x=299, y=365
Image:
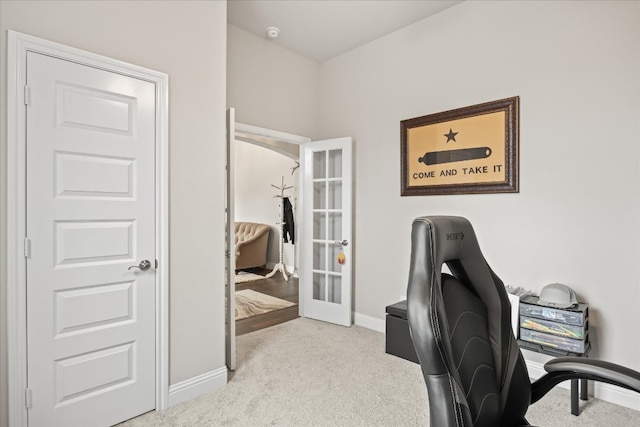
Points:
x=327, y=236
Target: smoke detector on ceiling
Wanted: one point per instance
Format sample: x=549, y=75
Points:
x=272, y=32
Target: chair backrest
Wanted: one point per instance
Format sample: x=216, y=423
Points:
x=461, y=329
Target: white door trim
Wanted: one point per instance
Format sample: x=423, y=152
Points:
x=257, y=133
x=18, y=46
x=230, y=257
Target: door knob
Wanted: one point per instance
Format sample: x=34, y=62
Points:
x=343, y=243
x=144, y=265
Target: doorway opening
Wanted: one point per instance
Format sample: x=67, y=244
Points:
x=324, y=218
x=265, y=172
x=266, y=253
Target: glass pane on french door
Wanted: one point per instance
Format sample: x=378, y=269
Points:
x=327, y=225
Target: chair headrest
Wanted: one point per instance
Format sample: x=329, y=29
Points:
x=452, y=235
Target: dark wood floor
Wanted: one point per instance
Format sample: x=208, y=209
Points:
x=274, y=286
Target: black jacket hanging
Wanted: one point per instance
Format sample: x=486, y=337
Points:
x=287, y=217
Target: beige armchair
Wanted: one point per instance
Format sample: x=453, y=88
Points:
x=251, y=244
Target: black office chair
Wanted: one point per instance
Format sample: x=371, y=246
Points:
x=460, y=325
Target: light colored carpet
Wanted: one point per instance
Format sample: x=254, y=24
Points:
x=245, y=276
x=311, y=373
x=251, y=303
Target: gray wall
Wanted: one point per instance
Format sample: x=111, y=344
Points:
x=576, y=68
x=270, y=86
x=186, y=40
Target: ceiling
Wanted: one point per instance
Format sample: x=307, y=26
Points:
x=322, y=29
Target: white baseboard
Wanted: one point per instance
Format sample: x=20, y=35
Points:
x=196, y=386
x=369, y=322
x=617, y=395
x=603, y=391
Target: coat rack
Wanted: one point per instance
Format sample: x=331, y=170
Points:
x=280, y=265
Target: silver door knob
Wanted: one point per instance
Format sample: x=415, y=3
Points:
x=144, y=265
x=343, y=243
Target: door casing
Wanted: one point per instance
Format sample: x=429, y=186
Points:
x=230, y=259
x=18, y=46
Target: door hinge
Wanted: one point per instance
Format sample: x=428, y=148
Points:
x=156, y=267
x=27, y=248
x=27, y=398
x=27, y=95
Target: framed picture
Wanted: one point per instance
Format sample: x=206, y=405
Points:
x=468, y=150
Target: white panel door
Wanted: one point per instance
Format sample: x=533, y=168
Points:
x=90, y=224
x=327, y=238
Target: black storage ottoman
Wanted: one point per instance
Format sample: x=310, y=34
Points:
x=398, y=340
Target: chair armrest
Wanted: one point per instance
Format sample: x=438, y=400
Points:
x=575, y=368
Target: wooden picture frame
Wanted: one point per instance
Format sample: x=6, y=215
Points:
x=469, y=150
